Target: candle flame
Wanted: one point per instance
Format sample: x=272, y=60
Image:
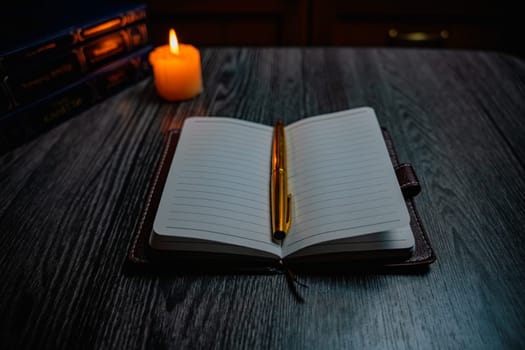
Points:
x=174, y=43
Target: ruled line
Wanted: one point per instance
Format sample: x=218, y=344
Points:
x=213, y=200
x=201, y=180
x=236, y=218
x=220, y=194
x=253, y=174
x=333, y=198
x=365, y=113
x=347, y=173
x=220, y=187
x=225, y=152
x=338, y=213
x=356, y=162
x=219, y=123
x=319, y=152
x=251, y=213
x=334, y=204
x=229, y=174
x=344, y=135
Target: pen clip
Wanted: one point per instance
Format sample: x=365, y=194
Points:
x=289, y=212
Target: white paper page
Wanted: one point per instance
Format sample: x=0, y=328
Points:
x=400, y=239
x=203, y=246
x=217, y=186
x=341, y=178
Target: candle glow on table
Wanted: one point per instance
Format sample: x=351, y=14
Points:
x=176, y=70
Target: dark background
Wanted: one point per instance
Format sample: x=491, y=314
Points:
x=486, y=25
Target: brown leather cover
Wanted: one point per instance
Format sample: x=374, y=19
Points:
x=141, y=254
x=410, y=187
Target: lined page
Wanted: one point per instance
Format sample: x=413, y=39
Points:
x=341, y=178
x=217, y=187
x=396, y=242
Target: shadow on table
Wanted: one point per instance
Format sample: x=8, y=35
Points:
x=293, y=273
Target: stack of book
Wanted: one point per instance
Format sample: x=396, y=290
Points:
x=76, y=58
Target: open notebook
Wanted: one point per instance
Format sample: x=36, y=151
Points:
x=346, y=198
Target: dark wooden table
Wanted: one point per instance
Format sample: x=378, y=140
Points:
x=70, y=201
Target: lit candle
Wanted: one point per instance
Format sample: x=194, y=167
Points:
x=176, y=70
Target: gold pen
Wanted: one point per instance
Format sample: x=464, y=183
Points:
x=281, y=200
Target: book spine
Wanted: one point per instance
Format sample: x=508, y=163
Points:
x=27, y=85
x=30, y=121
x=69, y=37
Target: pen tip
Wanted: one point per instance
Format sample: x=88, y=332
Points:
x=279, y=235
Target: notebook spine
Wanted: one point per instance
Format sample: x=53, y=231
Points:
x=32, y=120
x=26, y=84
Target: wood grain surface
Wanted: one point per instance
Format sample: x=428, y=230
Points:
x=71, y=199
